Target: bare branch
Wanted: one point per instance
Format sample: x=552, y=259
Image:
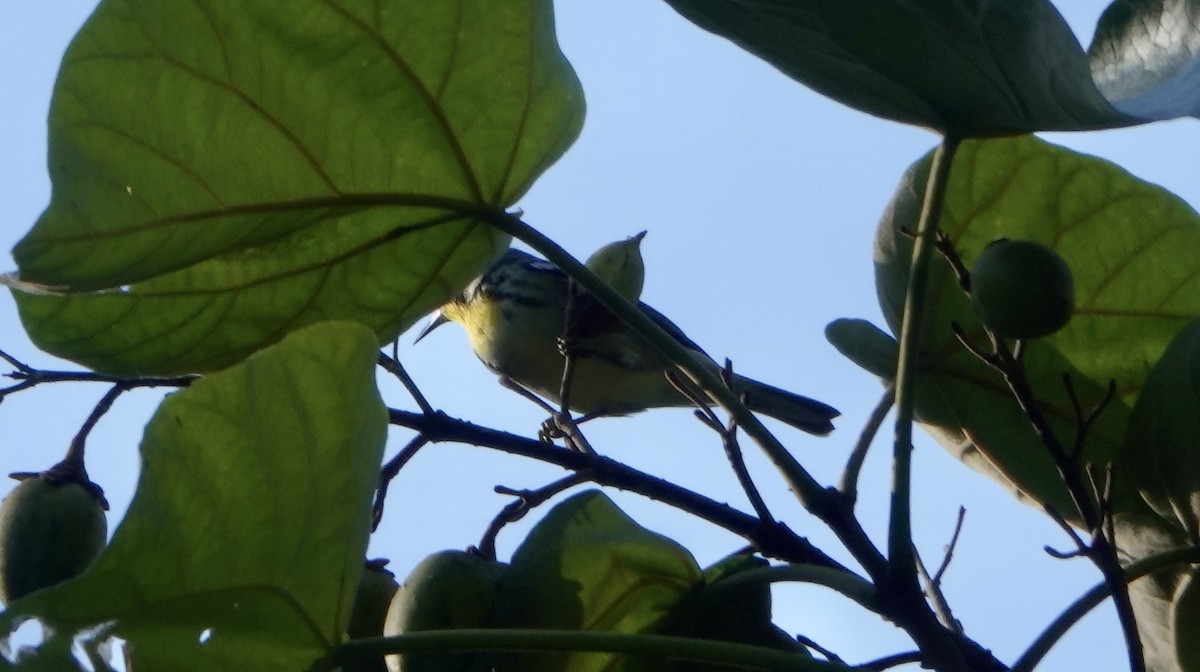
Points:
x=810, y=643
x=895, y=660
x=941, y=606
x=849, y=483
x=958, y=526
x=30, y=377
x=389, y=471
x=526, y=501
x=393, y=366
x=728, y=434
x=772, y=539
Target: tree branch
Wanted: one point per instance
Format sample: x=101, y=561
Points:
x=772, y=539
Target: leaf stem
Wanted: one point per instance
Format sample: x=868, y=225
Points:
x=849, y=481
x=852, y=586
x=902, y=581
x=742, y=656
x=900, y=548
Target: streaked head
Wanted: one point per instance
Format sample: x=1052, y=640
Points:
x=516, y=277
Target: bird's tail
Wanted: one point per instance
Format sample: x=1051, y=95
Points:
x=796, y=410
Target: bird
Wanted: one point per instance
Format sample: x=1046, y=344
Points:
x=515, y=316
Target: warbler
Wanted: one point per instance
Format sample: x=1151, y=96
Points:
x=514, y=318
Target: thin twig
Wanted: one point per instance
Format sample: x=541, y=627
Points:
x=393, y=366
x=894, y=660
x=733, y=451
x=20, y=366
x=960, y=335
x=958, y=527
x=946, y=248
x=526, y=501
x=568, y=375
x=933, y=583
x=389, y=471
x=31, y=377
x=697, y=397
x=1084, y=421
x=1018, y=349
x=941, y=606
x=854, y=464
x=72, y=468
x=810, y=643
x=728, y=434
x=75, y=453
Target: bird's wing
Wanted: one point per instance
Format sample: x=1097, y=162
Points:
x=671, y=328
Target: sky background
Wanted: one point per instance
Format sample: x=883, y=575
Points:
x=761, y=200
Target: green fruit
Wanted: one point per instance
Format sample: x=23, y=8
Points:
x=1022, y=289
x=375, y=591
x=620, y=264
x=50, y=531
x=449, y=589
x=376, y=588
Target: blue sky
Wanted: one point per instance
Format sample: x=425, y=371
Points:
x=761, y=200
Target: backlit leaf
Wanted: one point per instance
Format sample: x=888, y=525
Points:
x=975, y=67
x=245, y=538
x=225, y=172
x=1134, y=250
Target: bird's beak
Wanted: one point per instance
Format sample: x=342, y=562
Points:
x=438, y=320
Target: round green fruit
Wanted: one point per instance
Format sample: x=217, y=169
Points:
x=1022, y=289
x=620, y=264
x=376, y=588
x=449, y=589
x=50, y=531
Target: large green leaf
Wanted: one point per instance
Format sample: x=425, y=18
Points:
x=1134, y=250
x=1144, y=57
x=1185, y=622
x=244, y=542
x=224, y=172
x=1155, y=597
x=974, y=67
x=587, y=565
x=1163, y=440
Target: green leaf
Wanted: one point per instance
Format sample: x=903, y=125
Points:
x=225, y=172
x=1185, y=622
x=242, y=628
x=1144, y=57
x=1154, y=597
x=740, y=614
x=1134, y=250
x=589, y=566
x=865, y=344
x=54, y=655
x=245, y=538
x=1163, y=440
x=974, y=67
